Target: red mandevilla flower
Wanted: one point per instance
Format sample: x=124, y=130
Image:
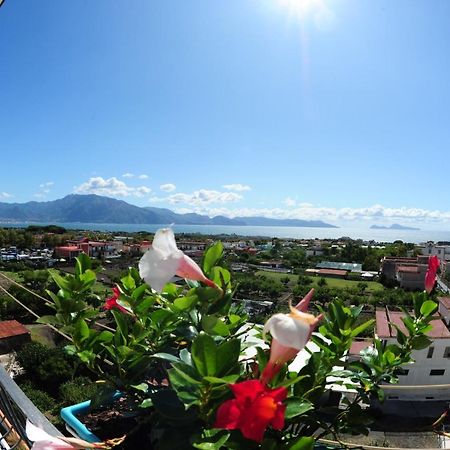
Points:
x=111, y=303
x=430, y=277
x=253, y=409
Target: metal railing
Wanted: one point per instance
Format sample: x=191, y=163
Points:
x=15, y=409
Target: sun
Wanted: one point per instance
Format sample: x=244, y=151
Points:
x=302, y=8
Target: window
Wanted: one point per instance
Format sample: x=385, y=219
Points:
x=393, y=397
x=429, y=398
x=447, y=352
x=401, y=372
x=436, y=372
x=430, y=352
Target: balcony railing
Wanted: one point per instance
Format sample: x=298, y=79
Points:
x=15, y=409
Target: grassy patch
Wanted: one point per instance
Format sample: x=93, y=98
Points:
x=372, y=286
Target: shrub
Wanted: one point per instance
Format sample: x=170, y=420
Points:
x=31, y=355
x=43, y=401
x=78, y=390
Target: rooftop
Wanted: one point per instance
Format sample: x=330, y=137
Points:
x=384, y=329
x=10, y=328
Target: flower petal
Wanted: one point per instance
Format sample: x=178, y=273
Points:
x=228, y=415
x=158, y=269
x=247, y=391
x=42, y=440
x=288, y=331
x=164, y=242
x=189, y=269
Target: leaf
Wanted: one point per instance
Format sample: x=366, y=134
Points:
x=304, y=443
x=227, y=356
x=214, y=325
x=128, y=282
x=212, y=256
x=296, y=407
x=229, y=379
x=420, y=342
x=166, y=357
x=147, y=403
x=204, y=355
x=139, y=291
x=184, y=303
x=211, y=440
x=52, y=320
x=358, y=330
x=428, y=308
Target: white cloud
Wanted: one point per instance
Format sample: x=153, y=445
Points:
x=169, y=187
x=128, y=175
x=143, y=177
x=5, y=195
x=308, y=211
x=112, y=187
x=288, y=201
x=204, y=197
x=155, y=199
x=237, y=187
x=47, y=184
x=39, y=195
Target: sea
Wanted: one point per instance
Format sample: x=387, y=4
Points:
x=366, y=234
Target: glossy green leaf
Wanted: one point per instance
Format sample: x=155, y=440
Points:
x=204, y=355
x=428, y=308
x=212, y=256
x=296, y=407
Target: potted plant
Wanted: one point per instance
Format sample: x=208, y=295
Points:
x=192, y=378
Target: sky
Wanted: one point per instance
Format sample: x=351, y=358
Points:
x=314, y=109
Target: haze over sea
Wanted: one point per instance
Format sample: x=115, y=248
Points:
x=367, y=234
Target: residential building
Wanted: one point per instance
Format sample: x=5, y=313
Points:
x=440, y=250
x=408, y=272
x=428, y=378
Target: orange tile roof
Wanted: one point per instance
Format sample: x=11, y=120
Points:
x=9, y=328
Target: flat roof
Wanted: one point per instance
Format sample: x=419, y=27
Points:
x=332, y=272
x=384, y=318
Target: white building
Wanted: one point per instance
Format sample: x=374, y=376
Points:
x=428, y=378
x=432, y=249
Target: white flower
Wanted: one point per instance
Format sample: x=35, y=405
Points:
x=291, y=330
x=43, y=441
x=163, y=260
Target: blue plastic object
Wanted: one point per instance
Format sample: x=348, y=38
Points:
x=69, y=415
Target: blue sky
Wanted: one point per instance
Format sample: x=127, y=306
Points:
x=331, y=109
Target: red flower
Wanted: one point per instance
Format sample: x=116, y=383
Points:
x=430, y=277
x=111, y=303
x=254, y=408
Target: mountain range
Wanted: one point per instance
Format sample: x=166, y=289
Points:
x=99, y=209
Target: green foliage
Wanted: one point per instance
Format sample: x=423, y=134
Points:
x=77, y=390
x=41, y=399
x=175, y=353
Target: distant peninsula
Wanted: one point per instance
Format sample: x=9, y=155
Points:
x=394, y=226
x=93, y=208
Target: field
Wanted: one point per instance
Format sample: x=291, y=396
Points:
x=372, y=286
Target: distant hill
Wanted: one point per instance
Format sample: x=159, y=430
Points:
x=98, y=209
x=394, y=226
